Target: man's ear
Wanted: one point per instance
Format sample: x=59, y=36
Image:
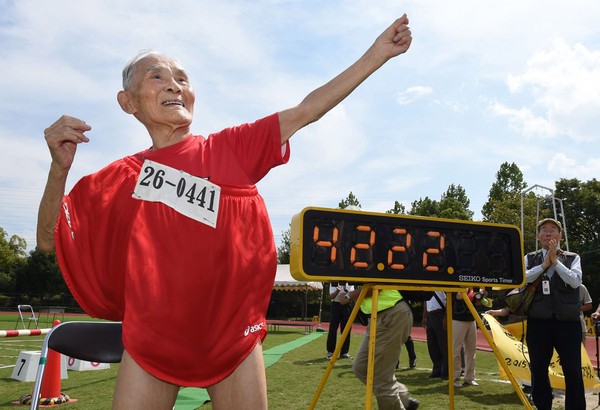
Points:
x=125, y=100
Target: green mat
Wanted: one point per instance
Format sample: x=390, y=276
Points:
x=191, y=398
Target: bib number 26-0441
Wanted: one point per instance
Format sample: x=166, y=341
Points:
x=189, y=195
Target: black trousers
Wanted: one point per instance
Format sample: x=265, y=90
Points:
x=339, y=317
x=410, y=349
x=437, y=343
x=542, y=337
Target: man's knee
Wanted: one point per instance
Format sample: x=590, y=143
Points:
x=137, y=389
x=245, y=387
x=359, y=370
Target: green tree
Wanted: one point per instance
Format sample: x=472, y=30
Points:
x=425, y=207
x=454, y=204
x=397, y=209
x=509, y=212
x=508, y=185
x=351, y=200
x=41, y=275
x=504, y=203
x=283, y=250
x=12, y=258
x=581, y=203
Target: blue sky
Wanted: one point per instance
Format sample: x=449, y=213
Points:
x=483, y=83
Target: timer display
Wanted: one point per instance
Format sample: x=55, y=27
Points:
x=357, y=246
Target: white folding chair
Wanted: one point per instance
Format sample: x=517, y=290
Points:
x=99, y=342
x=32, y=317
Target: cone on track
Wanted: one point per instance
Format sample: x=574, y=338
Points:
x=50, y=390
x=51, y=380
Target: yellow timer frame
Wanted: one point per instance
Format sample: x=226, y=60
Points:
x=356, y=246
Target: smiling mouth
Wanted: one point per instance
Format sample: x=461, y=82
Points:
x=173, y=102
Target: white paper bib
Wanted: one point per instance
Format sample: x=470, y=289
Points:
x=189, y=195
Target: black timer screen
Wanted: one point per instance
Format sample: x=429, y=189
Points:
x=395, y=247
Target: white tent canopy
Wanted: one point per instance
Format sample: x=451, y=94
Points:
x=285, y=281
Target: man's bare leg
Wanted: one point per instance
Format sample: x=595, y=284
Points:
x=137, y=389
x=245, y=388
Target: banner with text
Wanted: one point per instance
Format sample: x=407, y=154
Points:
x=516, y=356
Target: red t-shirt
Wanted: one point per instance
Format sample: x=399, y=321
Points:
x=192, y=298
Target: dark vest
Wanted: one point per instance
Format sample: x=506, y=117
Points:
x=563, y=301
x=461, y=312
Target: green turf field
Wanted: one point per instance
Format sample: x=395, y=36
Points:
x=292, y=376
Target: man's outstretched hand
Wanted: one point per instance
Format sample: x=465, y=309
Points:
x=395, y=40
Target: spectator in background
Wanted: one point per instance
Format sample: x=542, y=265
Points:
x=434, y=321
x=410, y=349
x=464, y=335
x=503, y=312
x=339, y=318
x=586, y=304
x=596, y=315
x=553, y=319
x=412, y=355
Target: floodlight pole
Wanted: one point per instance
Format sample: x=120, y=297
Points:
x=554, y=200
x=562, y=211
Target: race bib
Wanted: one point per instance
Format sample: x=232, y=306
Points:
x=191, y=196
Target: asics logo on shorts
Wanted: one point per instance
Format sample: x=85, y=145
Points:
x=253, y=328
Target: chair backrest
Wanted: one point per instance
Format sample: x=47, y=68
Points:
x=99, y=342
x=90, y=341
x=33, y=317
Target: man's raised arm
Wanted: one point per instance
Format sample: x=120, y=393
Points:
x=62, y=138
x=395, y=40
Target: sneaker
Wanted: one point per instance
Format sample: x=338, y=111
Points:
x=329, y=355
x=413, y=404
x=470, y=383
x=345, y=356
x=413, y=363
x=457, y=383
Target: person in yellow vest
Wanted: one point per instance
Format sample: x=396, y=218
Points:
x=394, y=322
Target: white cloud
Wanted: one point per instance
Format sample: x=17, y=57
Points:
x=569, y=167
x=412, y=94
x=563, y=84
x=524, y=121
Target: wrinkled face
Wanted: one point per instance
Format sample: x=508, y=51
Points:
x=547, y=232
x=161, y=93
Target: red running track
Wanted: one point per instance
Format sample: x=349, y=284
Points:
x=418, y=333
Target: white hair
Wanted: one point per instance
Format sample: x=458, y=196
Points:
x=128, y=70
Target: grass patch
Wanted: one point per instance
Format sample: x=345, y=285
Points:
x=292, y=380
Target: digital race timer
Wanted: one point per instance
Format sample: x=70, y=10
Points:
x=358, y=246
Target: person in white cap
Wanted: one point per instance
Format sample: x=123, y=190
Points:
x=553, y=317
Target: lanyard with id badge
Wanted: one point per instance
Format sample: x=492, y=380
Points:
x=545, y=285
x=545, y=280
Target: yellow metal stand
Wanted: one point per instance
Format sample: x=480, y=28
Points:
x=375, y=288
x=490, y=341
